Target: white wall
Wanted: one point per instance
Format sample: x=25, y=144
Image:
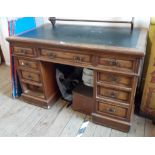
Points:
x=4, y=44
x=4, y=33
x=142, y=22
x=139, y=22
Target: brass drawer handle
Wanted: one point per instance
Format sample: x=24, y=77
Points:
x=113, y=78
x=52, y=55
x=113, y=94
x=111, y=110
x=29, y=77
x=77, y=59
x=23, y=51
x=27, y=64
x=113, y=62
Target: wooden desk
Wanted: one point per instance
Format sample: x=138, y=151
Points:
x=115, y=55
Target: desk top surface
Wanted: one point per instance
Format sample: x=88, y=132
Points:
x=86, y=34
x=94, y=36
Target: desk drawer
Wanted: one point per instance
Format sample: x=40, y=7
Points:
x=112, y=110
x=119, y=64
x=24, y=51
x=66, y=56
x=30, y=76
x=32, y=90
x=115, y=79
x=28, y=63
x=113, y=94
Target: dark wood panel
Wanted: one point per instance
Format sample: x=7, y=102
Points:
x=83, y=99
x=48, y=72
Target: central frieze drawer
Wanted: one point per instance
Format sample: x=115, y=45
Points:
x=31, y=76
x=113, y=94
x=116, y=63
x=66, y=56
x=115, y=79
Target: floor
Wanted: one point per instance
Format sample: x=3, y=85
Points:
x=18, y=118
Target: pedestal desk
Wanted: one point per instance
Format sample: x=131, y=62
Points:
x=114, y=53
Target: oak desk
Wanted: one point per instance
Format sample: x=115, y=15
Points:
x=114, y=53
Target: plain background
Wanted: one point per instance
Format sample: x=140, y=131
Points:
x=95, y=9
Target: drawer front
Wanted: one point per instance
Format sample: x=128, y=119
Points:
x=66, y=56
x=114, y=79
x=32, y=90
x=31, y=76
x=27, y=63
x=113, y=94
x=24, y=51
x=112, y=109
x=116, y=63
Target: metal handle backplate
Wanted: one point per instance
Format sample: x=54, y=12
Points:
x=77, y=59
x=113, y=94
x=111, y=110
x=52, y=55
x=113, y=62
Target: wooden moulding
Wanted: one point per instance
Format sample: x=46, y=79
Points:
x=111, y=122
x=44, y=103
